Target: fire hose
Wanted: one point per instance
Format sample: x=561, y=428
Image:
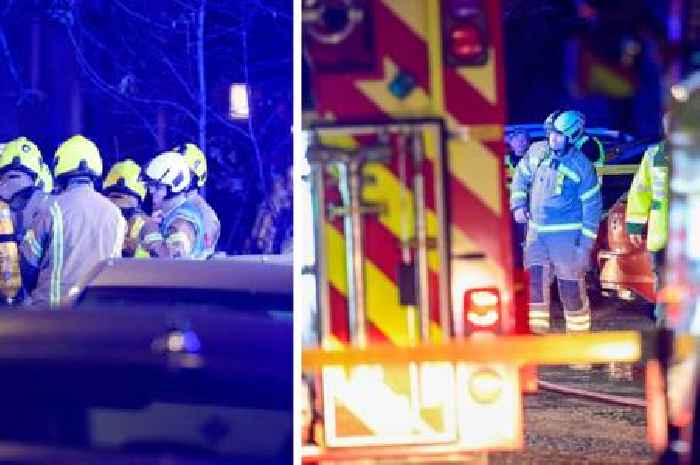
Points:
x=609, y=398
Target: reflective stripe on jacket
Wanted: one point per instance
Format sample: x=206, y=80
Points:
x=180, y=241
x=76, y=230
x=11, y=279
x=212, y=226
x=562, y=193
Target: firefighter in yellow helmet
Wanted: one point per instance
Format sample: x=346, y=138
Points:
x=77, y=228
x=20, y=187
x=20, y=182
x=176, y=228
x=124, y=187
x=198, y=171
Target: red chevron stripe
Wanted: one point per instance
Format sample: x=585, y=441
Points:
x=340, y=326
x=406, y=49
x=466, y=103
x=475, y=219
x=338, y=94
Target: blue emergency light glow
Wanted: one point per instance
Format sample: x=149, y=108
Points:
x=402, y=85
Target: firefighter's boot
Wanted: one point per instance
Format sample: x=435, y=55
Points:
x=538, y=309
x=577, y=310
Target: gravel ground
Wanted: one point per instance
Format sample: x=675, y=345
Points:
x=565, y=430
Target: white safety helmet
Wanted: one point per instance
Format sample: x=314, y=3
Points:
x=171, y=169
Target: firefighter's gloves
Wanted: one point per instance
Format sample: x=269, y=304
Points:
x=521, y=215
x=637, y=240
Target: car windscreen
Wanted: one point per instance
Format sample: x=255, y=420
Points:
x=274, y=304
x=141, y=409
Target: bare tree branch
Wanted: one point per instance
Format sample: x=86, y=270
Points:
x=251, y=128
x=201, y=77
x=138, y=15
x=11, y=63
x=168, y=62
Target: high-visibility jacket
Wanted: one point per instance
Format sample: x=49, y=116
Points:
x=593, y=149
x=25, y=207
x=180, y=234
x=10, y=277
x=562, y=193
x=76, y=230
x=647, y=201
x=212, y=226
x=135, y=220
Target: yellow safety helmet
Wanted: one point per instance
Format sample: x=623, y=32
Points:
x=196, y=161
x=23, y=155
x=125, y=177
x=77, y=156
x=46, y=178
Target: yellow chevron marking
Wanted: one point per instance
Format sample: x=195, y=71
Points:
x=480, y=132
x=435, y=332
x=387, y=190
x=431, y=226
x=417, y=103
x=335, y=246
x=333, y=343
x=383, y=307
x=338, y=139
x=431, y=143
x=460, y=243
x=411, y=12
x=482, y=78
x=437, y=88
x=475, y=166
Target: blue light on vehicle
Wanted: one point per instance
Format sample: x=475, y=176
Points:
x=183, y=341
x=402, y=85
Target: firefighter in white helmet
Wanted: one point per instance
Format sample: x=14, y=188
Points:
x=197, y=162
x=176, y=228
x=125, y=188
x=557, y=193
x=76, y=229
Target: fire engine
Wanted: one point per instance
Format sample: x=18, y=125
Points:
x=416, y=343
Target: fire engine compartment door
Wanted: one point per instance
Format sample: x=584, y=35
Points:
x=374, y=405
x=392, y=213
x=460, y=407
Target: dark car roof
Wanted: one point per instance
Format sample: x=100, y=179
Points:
x=254, y=349
x=536, y=131
x=255, y=273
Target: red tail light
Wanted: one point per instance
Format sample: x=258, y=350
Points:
x=466, y=42
x=465, y=32
x=482, y=309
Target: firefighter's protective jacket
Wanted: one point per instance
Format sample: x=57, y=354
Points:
x=647, y=201
x=563, y=192
x=212, y=226
x=180, y=233
x=73, y=232
x=593, y=149
x=11, y=281
x=135, y=220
